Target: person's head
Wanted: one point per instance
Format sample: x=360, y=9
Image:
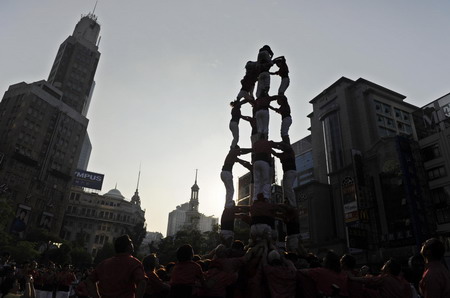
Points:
x=392, y=266
x=280, y=61
x=260, y=197
x=123, y=244
x=267, y=49
x=348, y=262
x=432, y=250
x=274, y=258
x=169, y=267
x=185, y=253
x=331, y=261
x=162, y=274
x=150, y=262
x=237, y=248
x=416, y=263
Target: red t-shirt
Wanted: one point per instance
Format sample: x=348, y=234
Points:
x=324, y=279
x=435, y=281
x=118, y=276
x=65, y=278
x=390, y=286
x=217, y=281
x=281, y=280
x=186, y=273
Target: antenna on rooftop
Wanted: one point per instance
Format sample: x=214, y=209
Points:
x=196, y=170
x=139, y=177
x=95, y=6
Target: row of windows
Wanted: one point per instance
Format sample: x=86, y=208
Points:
x=436, y=173
x=386, y=109
x=102, y=214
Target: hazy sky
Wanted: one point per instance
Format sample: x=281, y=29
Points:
x=169, y=69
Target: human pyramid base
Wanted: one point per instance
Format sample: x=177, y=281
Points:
x=262, y=213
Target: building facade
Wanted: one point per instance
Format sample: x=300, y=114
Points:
x=42, y=129
x=94, y=219
x=187, y=216
x=365, y=149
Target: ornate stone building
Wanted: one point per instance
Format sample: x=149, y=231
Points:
x=96, y=219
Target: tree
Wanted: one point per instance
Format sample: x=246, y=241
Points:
x=22, y=251
x=59, y=255
x=137, y=234
x=80, y=257
x=6, y=217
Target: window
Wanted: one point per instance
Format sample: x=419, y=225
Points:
x=431, y=152
x=436, y=173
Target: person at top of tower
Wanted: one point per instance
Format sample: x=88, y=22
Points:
x=227, y=176
x=234, y=122
x=283, y=72
x=286, y=120
x=264, y=64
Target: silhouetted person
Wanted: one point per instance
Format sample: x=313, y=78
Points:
x=283, y=72
x=435, y=281
x=120, y=276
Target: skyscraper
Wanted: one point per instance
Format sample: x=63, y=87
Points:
x=42, y=130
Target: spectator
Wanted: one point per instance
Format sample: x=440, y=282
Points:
x=120, y=276
x=156, y=288
x=186, y=274
x=435, y=281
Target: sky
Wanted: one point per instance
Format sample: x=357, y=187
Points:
x=168, y=70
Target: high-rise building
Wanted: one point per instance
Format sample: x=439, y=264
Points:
x=187, y=216
x=42, y=130
x=364, y=145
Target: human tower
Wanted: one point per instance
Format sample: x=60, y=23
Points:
x=262, y=213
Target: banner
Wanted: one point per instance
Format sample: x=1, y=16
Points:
x=19, y=224
x=88, y=179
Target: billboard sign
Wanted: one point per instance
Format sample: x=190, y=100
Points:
x=88, y=179
x=349, y=200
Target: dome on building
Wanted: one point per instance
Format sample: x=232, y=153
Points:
x=115, y=194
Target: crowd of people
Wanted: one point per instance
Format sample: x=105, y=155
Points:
x=259, y=271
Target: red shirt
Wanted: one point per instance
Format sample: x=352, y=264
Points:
x=435, y=281
x=118, y=276
x=186, y=273
x=217, y=281
x=281, y=280
x=324, y=278
x=65, y=278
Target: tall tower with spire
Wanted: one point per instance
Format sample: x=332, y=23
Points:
x=136, y=199
x=193, y=202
